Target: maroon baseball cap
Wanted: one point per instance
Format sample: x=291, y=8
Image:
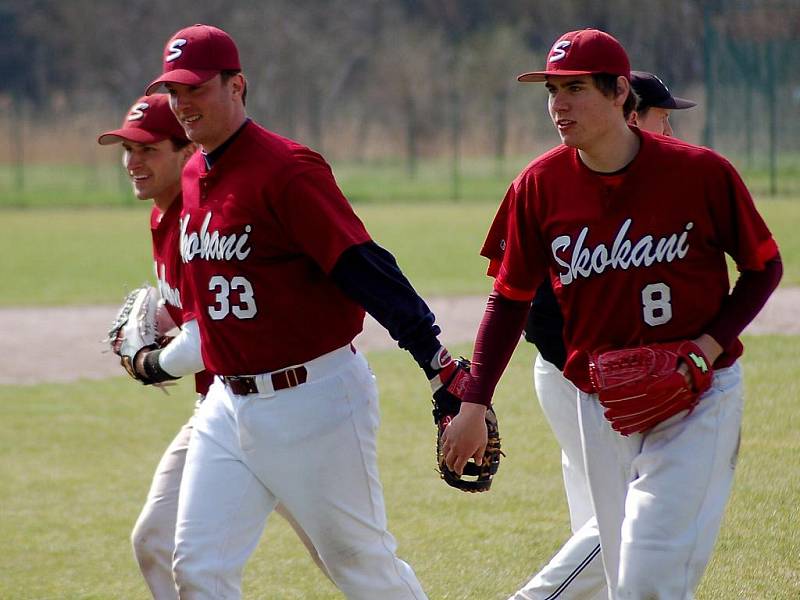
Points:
x=583, y=52
x=653, y=92
x=195, y=54
x=148, y=121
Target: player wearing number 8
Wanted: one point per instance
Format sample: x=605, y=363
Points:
x=632, y=230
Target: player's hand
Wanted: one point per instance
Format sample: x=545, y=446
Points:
x=710, y=348
x=465, y=437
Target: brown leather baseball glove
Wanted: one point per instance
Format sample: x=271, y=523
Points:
x=448, y=391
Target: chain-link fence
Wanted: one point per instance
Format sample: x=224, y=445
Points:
x=752, y=89
x=419, y=110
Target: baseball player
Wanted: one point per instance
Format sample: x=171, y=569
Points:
x=632, y=229
x=281, y=271
x=655, y=103
x=576, y=571
x=155, y=150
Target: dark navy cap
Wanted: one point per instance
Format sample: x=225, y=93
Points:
x=652, y=92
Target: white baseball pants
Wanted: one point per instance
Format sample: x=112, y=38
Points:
x=153, y=536
x=659, y=497
x=310, y=447
x=576, y=570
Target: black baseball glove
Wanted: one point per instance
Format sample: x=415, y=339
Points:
x=448, y=388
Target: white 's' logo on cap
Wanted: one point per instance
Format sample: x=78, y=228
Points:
x=559, y=50
x=137, y=111
x=175, y=49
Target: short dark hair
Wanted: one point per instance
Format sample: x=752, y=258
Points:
x=607, y=84
x=227, y=74
x=642, y=107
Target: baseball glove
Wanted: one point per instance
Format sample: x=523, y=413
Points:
x=137, y=326
x=641, y=387
x=448, y=388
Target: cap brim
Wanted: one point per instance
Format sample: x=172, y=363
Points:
x=138, y=136
x=181, y=76
x=683, y=103
x=540, y=76
x=672, y=103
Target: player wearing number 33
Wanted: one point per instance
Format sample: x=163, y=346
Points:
x=155, y=151
x=281, y=271
x=632, y=229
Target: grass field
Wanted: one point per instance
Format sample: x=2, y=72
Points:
x=76, y=460
x=102, y=183
x=94, y=255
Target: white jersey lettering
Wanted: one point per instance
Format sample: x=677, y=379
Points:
x=624, y=254
x=170, y=295
x=207, y=245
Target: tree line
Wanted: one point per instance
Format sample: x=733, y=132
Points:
x=347, y=76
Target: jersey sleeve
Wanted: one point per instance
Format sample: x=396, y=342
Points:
x=514, y=247
x=495, y=244
x=318, y=217
x=743, y=232
x=188, y=304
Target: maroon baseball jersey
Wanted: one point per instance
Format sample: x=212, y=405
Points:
x=166, y=244
x=634, y=258
x=260, y=232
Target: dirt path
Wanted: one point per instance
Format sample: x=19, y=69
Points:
x=62, y=344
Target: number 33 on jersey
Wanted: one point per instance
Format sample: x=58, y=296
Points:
x=258, y=239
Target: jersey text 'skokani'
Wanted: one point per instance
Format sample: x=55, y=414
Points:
x=624, y=253
x=212, y=246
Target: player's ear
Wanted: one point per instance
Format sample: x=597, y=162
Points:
x=187, y=151
x=238, y=84
x=623, y=89
x=633, y=118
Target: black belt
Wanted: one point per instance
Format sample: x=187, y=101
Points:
x=288, y=378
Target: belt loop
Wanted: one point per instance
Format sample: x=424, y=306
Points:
x=264, y=385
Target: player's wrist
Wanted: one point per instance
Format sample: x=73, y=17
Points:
x=148, y=368
x=473, y=410
x=435, y=364
x=138, y=361
x=710, y=347
x=441, y=369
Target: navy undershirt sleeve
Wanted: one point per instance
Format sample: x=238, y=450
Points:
x=370, y=275
x=545, y=326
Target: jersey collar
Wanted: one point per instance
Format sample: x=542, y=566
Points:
x=212, y=157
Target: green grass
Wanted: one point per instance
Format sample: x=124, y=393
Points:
x=93, y=255
x=74, y=256
x=103, y=184
x=434, y=180
x=76, y=460
x=783, y=218
x=478, y=179
x=757, y=175
x=64, y=185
